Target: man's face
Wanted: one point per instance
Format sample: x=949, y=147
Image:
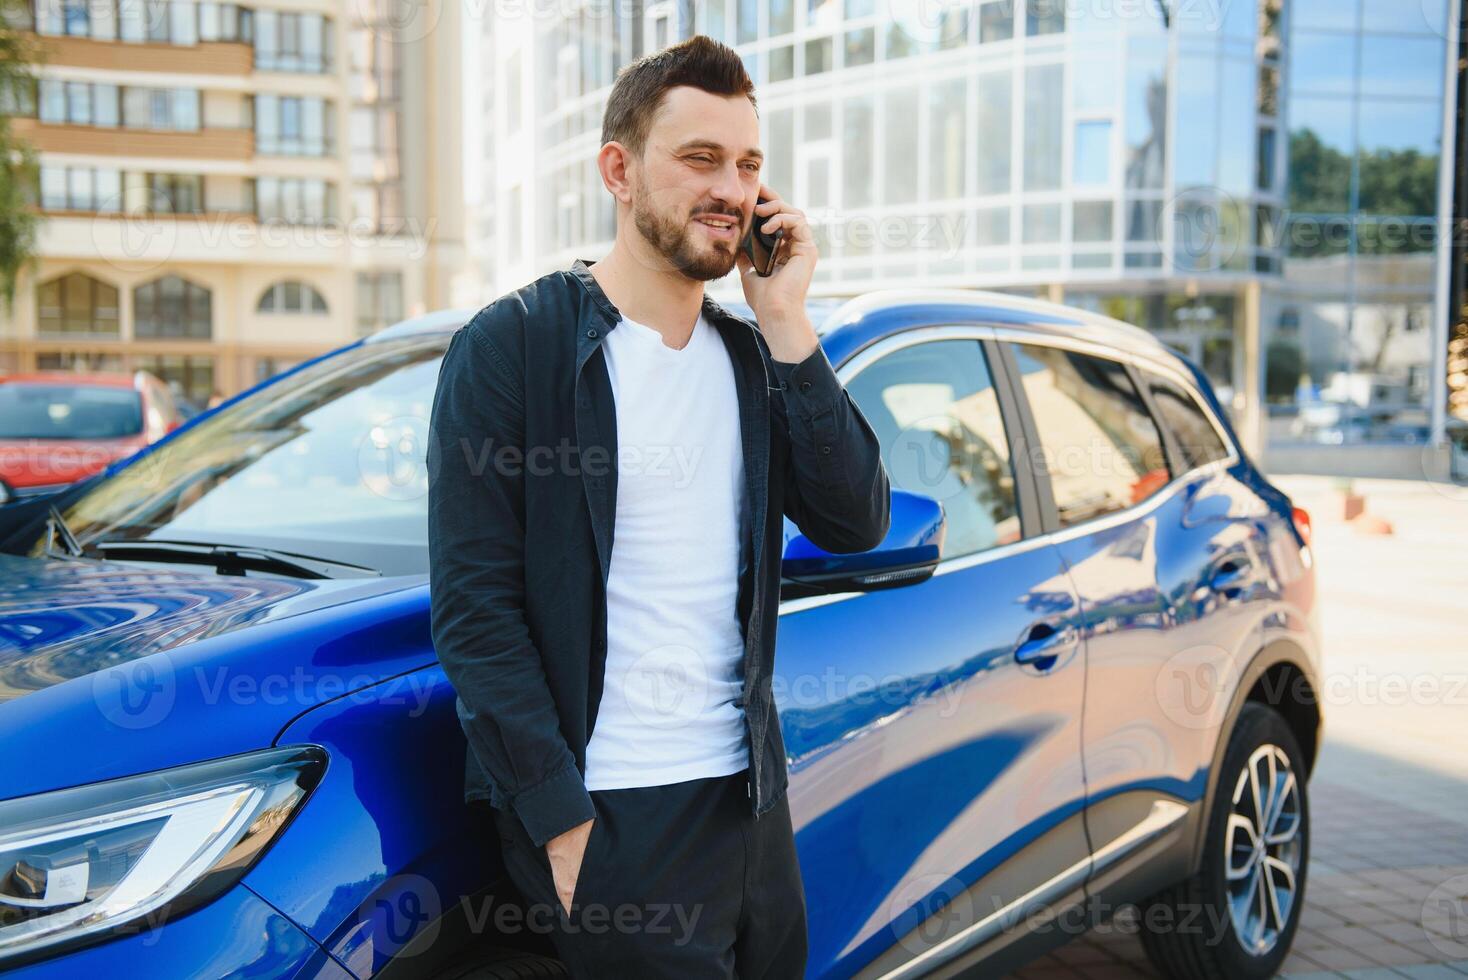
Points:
x=694, y=190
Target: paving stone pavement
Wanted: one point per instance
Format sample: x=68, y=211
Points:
x=1387, y=889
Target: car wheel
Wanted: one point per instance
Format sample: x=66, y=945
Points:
x=506, y=965
x=1236, y=917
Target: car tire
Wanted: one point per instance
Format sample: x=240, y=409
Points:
x=1220, y=924
x=507, y=964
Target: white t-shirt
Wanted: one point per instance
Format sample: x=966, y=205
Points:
x=674, y=646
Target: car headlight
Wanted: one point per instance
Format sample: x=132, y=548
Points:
x=79, y=865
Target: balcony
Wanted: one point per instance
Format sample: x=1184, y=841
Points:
x=204, y=58
x=203, y=144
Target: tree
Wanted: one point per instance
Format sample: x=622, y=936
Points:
x=1395, y=188
x=17, y=160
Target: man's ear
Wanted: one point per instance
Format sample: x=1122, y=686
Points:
x=614, y=161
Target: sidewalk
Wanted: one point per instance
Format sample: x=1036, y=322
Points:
x=1387, y=893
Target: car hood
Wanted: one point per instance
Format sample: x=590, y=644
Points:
x=109, y=668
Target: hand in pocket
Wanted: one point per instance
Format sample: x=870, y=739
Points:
x=566, y=853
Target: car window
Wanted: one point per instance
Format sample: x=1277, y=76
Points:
x=1098, y=443
x=934, y=410
x=1197, y=440
x=327, y=462
x=36, y=410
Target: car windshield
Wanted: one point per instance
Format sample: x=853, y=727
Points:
x=329, y=461
x=46, y=410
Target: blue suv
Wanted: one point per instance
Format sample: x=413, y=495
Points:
x=1079, y=675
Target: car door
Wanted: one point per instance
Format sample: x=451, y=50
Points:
x=1146, y=540
x=924, y=753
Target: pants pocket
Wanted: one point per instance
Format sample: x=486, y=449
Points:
x=590, y=862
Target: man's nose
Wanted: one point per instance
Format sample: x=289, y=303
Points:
x=728, y=190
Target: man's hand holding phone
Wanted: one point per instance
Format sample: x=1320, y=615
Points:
x=778, y=299
x=566, y=852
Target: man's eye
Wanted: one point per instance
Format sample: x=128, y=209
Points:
x=702, y=159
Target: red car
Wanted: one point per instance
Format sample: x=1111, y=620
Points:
x=57, y=427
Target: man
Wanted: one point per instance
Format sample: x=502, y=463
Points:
x=610, y=459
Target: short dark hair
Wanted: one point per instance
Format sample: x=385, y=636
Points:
x=638, y=92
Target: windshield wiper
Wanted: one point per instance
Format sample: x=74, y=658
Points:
x=56, y=527
x=234, y=560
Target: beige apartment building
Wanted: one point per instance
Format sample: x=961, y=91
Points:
x=228, y=189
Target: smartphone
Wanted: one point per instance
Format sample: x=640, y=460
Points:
x=762, y=248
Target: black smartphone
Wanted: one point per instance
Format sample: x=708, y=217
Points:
x=762, y=248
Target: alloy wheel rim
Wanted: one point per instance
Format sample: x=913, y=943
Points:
x=1262, y=849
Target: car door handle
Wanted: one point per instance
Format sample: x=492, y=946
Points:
x=1228, y=577
x=1044, y=642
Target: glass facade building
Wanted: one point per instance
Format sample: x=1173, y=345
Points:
x=1256, y=182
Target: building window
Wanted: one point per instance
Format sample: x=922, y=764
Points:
x=292, y=42
x=175, y=193
x=173, y=307
x=81, y=189
x=225, y=22
x=1264, y=165
x=77, y=304
x=269, y=367
x=1044, y=117
x=374, y=158
x=175, y=109
x=158, y=22
x=191, y=376
x=88, y=361
x=379, y=300
x=290, y=296
x=77, y=103
x=1091, y=221
x=996, y=21
x=104, y=106
x=1092, y=152
x=293, y=126
x=292, y=200
x=1044, y=17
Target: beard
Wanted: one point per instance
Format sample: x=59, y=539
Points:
x=674, y=238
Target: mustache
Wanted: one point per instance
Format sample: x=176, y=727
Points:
x=723, y=213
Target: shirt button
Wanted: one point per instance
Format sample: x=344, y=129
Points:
x=784, y=385
x=591, y=334
x=805, y=386
x=825, y=450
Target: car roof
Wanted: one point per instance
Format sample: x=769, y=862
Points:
x=847, y=326
x=440, y=321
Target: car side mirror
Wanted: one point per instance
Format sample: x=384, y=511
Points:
x=907, y=555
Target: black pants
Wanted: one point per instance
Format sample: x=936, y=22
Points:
x=678, y=881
